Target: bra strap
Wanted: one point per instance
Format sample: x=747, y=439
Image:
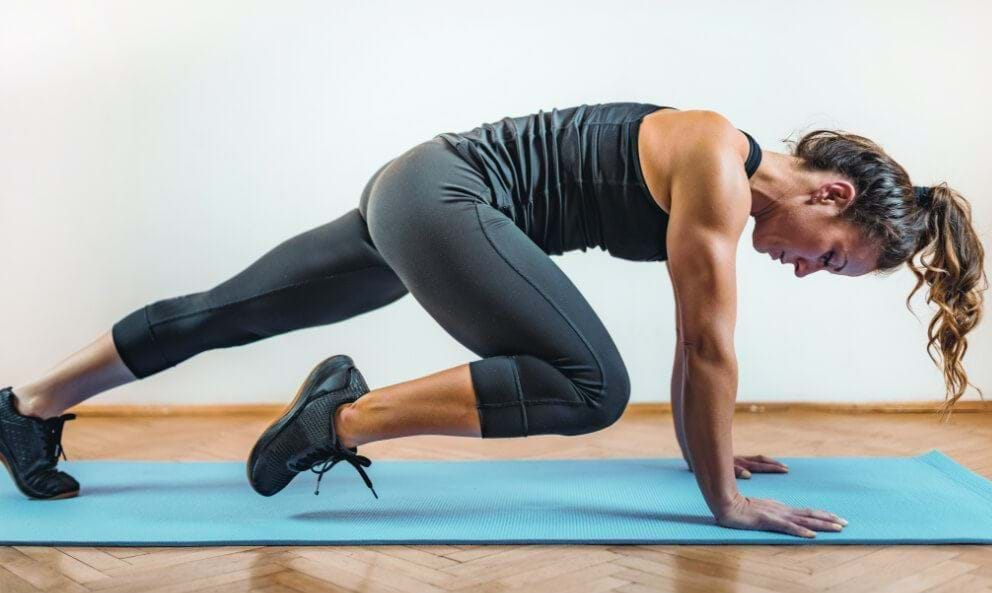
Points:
x=753, y=155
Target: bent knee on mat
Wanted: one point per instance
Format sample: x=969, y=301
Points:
x=524, y=395
x=611, y=405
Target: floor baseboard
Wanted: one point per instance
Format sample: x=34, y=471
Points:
x=913, y=407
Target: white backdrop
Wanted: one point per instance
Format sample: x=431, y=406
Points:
x=150, y=149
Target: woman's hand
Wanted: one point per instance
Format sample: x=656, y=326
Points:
x=763, y=514
x=744, y=466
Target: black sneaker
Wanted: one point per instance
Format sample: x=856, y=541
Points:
x=303, y=437
x=30, y=449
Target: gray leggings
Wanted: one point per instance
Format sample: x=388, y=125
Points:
x=423, y=226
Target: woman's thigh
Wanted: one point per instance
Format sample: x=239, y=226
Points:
x=553, y=364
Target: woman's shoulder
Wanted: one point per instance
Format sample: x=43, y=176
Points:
x=693, y=127
x=671, y=142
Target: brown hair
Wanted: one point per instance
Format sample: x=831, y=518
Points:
x=936, y=226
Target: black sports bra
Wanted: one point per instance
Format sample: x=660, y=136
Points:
x=753, y=155
x=571, y=179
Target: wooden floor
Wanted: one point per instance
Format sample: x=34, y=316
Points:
x=511, y=569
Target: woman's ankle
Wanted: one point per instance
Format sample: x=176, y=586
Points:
x=30, y=405
x=343, y=424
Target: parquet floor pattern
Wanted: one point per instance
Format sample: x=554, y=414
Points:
x=513, y=569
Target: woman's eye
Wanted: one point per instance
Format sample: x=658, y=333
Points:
x=827, y=259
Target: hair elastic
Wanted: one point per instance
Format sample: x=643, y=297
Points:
x=924, y=195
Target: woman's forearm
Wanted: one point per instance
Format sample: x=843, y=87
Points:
x=709, y=391
x=676, y=399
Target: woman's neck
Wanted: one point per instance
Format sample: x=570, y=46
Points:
x=778, y=178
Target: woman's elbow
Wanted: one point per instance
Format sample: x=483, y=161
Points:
x=713, y=348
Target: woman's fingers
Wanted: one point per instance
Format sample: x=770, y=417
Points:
x=790, y=527
x=765, y=459
x=763, y=467
x=771, y=515
x=803, y=512
x=808, y=512
x=817, y=524
x=761, y=464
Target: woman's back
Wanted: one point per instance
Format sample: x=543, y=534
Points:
x=571, y=178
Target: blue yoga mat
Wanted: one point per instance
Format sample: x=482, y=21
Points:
x=925, y=499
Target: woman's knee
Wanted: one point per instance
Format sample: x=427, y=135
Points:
x=614, y=395
x=523, y=395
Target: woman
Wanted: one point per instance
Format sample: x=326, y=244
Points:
x=466, y=223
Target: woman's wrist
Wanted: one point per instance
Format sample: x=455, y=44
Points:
x=728, y=504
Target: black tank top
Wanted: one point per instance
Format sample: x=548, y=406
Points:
x=571, y=179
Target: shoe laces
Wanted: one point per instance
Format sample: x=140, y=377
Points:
x=327, y=456
x=52, y=437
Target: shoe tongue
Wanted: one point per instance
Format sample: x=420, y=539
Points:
x=49, y=429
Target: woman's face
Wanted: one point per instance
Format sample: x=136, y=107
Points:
x=807, y=233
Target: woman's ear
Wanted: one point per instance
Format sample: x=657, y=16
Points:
x=843, y=192
x=839, y=192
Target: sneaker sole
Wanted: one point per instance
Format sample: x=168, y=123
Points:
x=23, y=488
x=318, y=375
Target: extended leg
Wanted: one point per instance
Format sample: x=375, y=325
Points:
x=327, y=274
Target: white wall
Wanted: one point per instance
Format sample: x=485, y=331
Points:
x=150, y=149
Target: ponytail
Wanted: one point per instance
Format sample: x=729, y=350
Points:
x=951, y=263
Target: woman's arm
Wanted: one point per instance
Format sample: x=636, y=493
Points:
x=676, y=397
x=709, y=209
x=708, y=213
x=743, y=465
x=677, y=373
